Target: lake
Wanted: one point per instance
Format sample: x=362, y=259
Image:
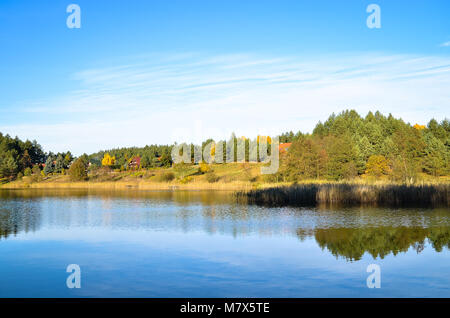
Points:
x=204, y=244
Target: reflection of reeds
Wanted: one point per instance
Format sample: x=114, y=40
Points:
x=311, y=194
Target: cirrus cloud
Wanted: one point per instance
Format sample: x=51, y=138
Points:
x=190, y=97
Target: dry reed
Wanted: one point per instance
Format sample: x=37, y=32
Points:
x=342, y=193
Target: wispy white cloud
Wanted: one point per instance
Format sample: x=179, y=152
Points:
x=445, y=44
x=188, y=97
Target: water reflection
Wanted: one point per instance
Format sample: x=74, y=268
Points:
x=178, y=197
x=18, y=216
x=353, y=243
x=343, y=232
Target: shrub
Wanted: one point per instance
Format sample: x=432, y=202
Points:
x=138, y=174
x=203, y=168
x=36, y=170
x=27, y=171
x=183, y=170
x=77, y=171
x=211, y=177
x=167, y=177
x=36, y=173
x=186, y=180
x=20, y=175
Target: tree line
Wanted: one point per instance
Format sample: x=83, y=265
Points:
x=151, y=156
x=345, y=146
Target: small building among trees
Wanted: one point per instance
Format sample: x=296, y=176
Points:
x=135, y=163
x=283, y=147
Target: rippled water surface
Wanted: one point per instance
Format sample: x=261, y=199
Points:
x=203, y=244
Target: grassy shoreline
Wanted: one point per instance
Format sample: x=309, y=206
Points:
x=306, y=192
x=130, y=185
x=249, y=184
x=233, y=176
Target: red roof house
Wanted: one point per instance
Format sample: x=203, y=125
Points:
x=283, y=147
x=135, y=162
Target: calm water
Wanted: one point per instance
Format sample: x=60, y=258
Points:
x=202, y=244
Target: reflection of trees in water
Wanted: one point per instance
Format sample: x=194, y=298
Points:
x=180, y=197
x=15, y=218
x=352, y=243
x=346, y=232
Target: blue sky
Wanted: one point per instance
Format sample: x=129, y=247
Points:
x=143, y=72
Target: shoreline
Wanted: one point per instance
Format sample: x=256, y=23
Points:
x=274, y=194
x=234, y=186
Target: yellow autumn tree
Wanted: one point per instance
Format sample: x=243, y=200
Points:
x=264, y=139
x=213, y=149
x=108, y=160
x=204, y=168
x=419, y=127
x=377, y=166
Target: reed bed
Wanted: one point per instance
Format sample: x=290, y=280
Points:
x=341, y=193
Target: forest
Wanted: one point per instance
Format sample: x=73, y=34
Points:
x=344, y=147
x=347, y=145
